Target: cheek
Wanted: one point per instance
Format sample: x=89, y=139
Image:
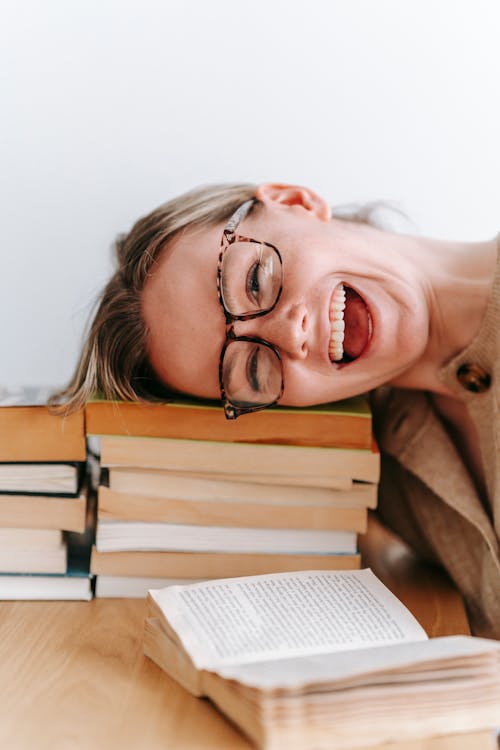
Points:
x=412, y=327
x=306, y=387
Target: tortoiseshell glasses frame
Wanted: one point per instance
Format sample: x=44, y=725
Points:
x=229, y=237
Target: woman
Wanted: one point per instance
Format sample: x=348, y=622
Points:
x=258, y=295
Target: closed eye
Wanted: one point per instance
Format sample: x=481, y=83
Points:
x=252, y=370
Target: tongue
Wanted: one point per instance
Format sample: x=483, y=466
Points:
x=356, y=324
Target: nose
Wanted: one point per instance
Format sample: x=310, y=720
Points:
x=285, y=327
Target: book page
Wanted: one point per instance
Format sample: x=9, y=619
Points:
x=259, y=618
x=425, y=661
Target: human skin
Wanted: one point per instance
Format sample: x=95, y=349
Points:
x=426, y=300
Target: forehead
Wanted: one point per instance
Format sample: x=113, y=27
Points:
x=181, y=309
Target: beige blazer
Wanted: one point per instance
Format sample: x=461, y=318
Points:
x=426, y=493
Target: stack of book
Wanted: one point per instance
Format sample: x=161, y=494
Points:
x=44, y=540
x=187, y=495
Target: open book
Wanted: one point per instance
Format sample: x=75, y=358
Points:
x=321, y=659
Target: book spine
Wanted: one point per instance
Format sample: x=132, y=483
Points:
x=341, y=428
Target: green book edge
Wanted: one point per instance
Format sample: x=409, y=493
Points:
x=356, y=406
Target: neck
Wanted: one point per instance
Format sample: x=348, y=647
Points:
x=457, y=283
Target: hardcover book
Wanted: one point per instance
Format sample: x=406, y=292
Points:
x=73, y=582
x=139, y=535
x=128, y=506
x=296, y=463
x=211, y=564
x=44, y=511
x=217, y=485
x=132, y=587
x=344, y=424
x=39, y=558
x=41, y=478
x=29, y=432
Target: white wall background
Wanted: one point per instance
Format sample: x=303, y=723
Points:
x=110, y=107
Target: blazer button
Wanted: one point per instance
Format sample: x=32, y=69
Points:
x=473, y=378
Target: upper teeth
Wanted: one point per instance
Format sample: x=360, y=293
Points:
x=337, y=307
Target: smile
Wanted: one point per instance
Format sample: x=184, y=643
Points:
x=351, y=325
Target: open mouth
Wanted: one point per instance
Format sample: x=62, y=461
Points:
x=351, y=325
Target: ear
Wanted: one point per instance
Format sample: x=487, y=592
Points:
x=273, y=194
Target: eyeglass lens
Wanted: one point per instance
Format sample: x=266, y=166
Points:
x=251, y=373
x=251, y=278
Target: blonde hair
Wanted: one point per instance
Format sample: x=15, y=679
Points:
x=114, y=360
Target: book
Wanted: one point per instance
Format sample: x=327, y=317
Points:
x=44, y=512
x=127, y=506
x=343, y=424
x=114, y=536
x=29, y=537
x=321, y=661
x=40, y=478
x=189, y=486
x=220, y=485
x=210, y=564
x=72, y=583
x=294, y=462
x=32, y=559
x=132, y=587
x=35, y=587
x=29, y=432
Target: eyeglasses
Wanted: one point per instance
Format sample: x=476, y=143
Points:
x=249, y=284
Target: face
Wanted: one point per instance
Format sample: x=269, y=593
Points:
x=328, y=353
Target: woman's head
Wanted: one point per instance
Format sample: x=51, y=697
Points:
x=160, y=326
x=326, y=352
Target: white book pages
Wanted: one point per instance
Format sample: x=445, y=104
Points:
x=114, y=536
x=33, y=559
x=45, y=588
x=38, y=477
x=269, y=617
x=427, y=660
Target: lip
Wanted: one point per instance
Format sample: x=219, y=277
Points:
x=372, y=325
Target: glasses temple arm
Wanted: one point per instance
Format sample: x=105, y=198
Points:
x=238, y=216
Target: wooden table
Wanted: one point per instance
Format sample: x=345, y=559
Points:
x=73, y=676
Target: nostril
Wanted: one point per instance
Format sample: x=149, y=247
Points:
x=304, y=322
